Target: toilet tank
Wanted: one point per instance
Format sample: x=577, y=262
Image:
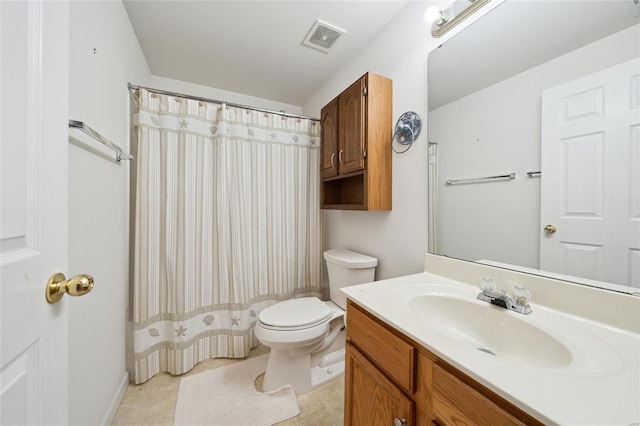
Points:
x=347, y=268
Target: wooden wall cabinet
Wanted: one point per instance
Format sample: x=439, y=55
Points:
x=355, y=162
x=389, y=379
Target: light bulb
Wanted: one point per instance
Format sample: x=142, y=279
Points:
x=432, y=14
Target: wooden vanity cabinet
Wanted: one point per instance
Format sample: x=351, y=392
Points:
x=355, y=161
x=389, y=376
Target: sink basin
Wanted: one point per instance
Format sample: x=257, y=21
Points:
x=489, y=329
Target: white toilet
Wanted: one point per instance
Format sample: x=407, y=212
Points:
x=306, y=335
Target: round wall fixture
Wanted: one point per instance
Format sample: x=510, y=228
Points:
x=407, y=131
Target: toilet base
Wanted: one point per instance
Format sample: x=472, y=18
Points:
x=325, y=372
x=307, y=372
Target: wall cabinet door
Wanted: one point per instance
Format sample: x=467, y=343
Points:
x=329, y=126
x=351, y=119
x=370, y=398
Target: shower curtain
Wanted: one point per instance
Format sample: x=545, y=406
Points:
x=227, y=222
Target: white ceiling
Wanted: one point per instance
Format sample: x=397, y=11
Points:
x=253, y=47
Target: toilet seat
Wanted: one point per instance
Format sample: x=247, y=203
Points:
x=295, y=314
x=296, y=322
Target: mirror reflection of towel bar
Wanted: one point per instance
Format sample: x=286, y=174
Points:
x=509, y=176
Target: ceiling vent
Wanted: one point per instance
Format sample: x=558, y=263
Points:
x=322, y=36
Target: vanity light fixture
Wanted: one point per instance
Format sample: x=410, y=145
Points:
x=435, y=16
x=443, y=20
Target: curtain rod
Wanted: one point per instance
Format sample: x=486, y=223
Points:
x=215, y=101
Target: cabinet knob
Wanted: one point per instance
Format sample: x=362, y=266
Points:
x=399, y=422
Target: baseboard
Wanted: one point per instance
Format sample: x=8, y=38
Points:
x=116, y=400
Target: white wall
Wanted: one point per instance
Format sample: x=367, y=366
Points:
x=497, y=130
x=220, y=95
x=99, y=198
x=398, y=238
x=99, y=205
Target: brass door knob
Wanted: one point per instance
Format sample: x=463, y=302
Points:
x=58, y=285
x=549, y=229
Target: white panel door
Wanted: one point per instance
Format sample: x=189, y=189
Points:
x=590, y=188
x=34, y=37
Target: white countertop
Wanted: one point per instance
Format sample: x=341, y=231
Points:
x=600, y=386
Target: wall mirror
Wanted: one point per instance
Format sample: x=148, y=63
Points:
x=526, y=73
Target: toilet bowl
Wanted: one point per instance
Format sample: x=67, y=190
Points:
x=306, y=335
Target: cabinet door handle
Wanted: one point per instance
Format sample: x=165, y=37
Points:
x=399, y=422
x=340, y=157
x=333, y=156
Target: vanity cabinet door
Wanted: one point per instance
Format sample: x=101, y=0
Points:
x=370, y=398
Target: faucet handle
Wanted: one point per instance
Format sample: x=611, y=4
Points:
x=487, y=284
x=521, y=295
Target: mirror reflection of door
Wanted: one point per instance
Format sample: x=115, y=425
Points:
x=485, y=87
x=590, y=189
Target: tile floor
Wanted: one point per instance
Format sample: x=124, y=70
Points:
x=153, y=402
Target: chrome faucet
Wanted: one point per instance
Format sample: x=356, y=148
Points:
x=518, y=303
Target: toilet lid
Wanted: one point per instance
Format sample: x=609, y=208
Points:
x=296, y=313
